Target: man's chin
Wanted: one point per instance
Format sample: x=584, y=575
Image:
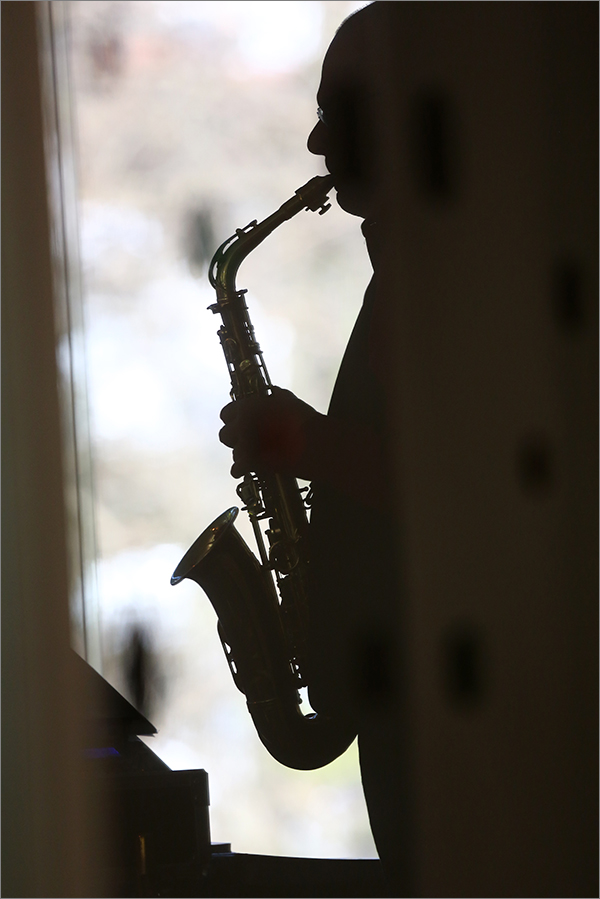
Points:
x=352, y=200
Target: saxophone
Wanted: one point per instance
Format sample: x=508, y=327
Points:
x=262, y=606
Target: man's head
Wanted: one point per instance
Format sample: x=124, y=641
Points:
x=347, y=131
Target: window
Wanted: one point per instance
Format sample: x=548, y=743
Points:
x=191, y=120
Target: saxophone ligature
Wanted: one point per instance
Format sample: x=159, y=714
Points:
x=262, y=604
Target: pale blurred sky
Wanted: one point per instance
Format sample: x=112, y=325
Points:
x=271, y=37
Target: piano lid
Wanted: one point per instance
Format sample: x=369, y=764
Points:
x=105, y=709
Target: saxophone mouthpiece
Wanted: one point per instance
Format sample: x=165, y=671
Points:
x=314, y=193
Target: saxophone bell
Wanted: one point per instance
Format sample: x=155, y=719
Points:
x=249, y=626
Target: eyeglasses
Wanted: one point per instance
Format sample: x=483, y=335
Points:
x=321, y=115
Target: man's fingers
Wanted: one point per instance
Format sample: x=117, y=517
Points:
x=241, y=464
x=237, y=470
x=229, y=435
x=229, y=412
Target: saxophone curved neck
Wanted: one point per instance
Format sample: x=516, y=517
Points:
x=232, y=252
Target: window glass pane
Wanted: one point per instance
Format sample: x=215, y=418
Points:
x=192, y=119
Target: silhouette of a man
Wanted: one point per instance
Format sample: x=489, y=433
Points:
x=353, y=668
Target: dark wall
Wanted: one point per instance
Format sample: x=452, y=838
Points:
x=491, y=130
x=43, y=793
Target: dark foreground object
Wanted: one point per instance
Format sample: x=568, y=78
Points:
x=263, y=875
x=159, y=830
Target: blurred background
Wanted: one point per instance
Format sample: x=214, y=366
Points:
x=153, y=132
x=190, y=120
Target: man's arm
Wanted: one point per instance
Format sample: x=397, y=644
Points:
x=284, y=435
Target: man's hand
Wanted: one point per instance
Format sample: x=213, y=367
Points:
x=268, y=434
x=280, y=434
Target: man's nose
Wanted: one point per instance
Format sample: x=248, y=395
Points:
x=316, y=142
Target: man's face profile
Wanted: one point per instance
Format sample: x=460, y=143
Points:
x=344, y=134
